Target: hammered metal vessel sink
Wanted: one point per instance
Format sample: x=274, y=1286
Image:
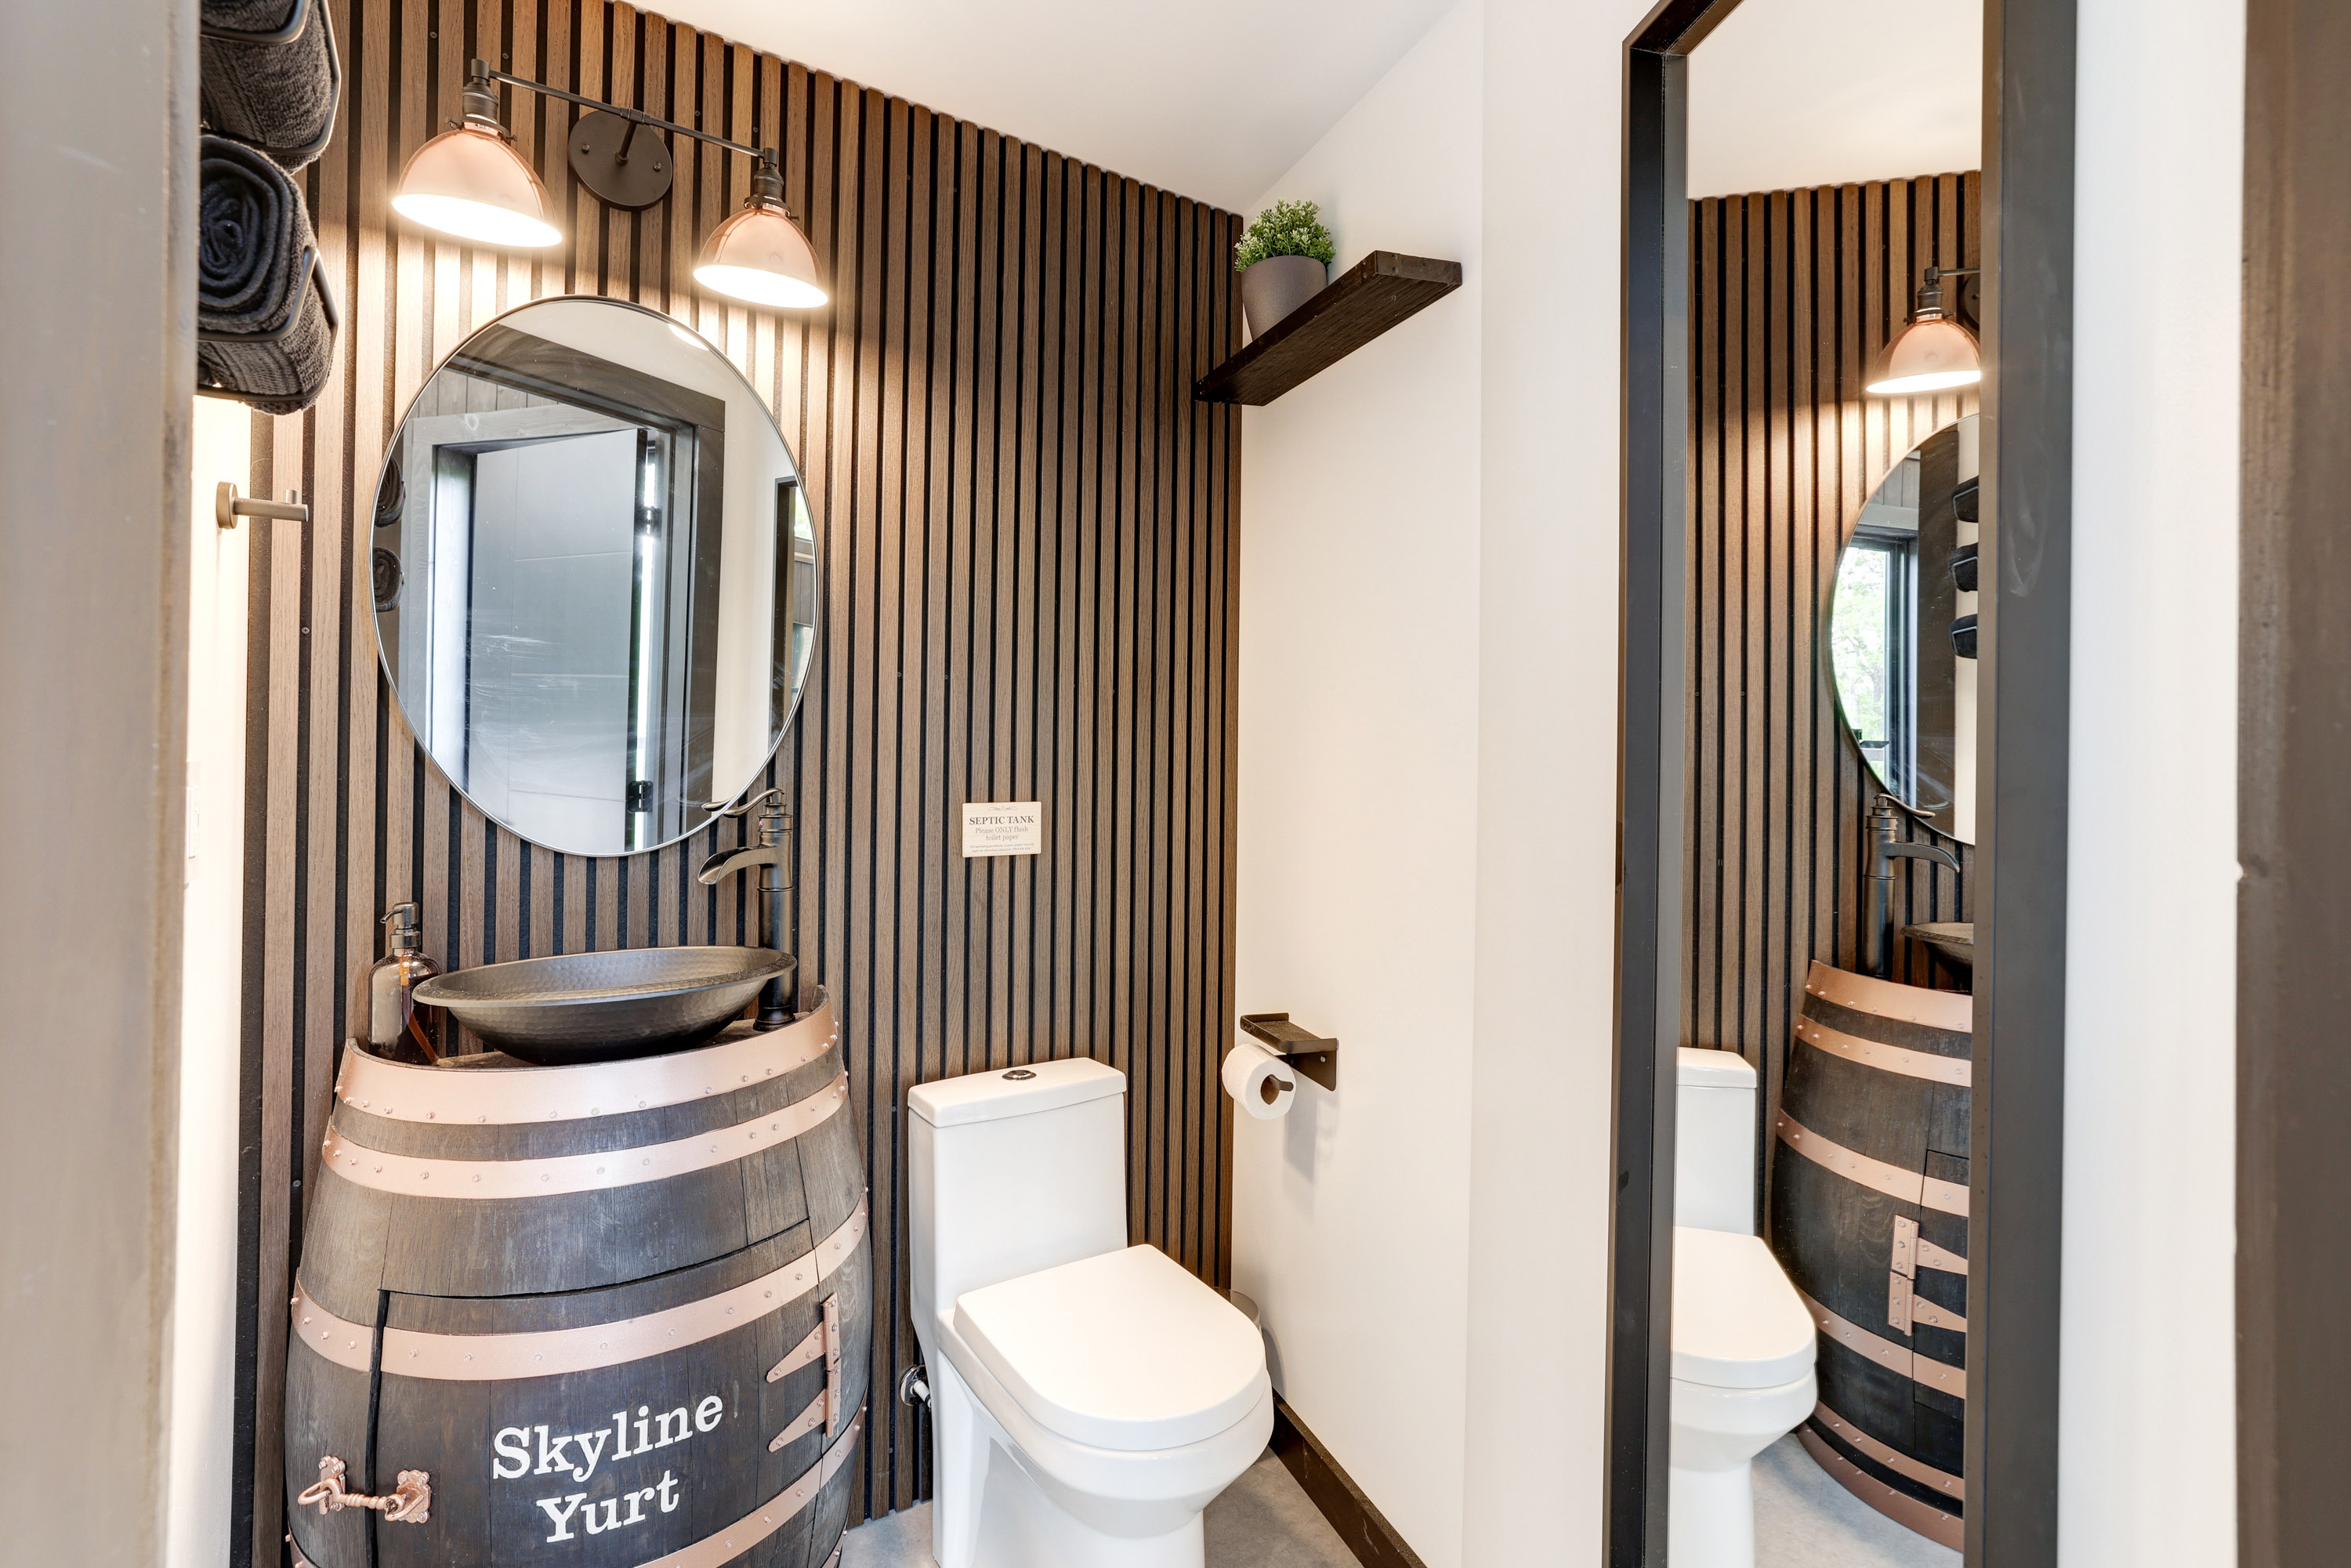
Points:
x=603, y=1007
x=1953, y=941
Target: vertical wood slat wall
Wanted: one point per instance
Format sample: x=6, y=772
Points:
x=1027, y=593
x=1793, y=293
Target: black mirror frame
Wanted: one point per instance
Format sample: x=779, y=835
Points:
x=2017, y=1156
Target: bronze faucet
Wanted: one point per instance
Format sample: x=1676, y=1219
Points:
x=1885, y=848
x=772, y=855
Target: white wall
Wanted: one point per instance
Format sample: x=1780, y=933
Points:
x=1428, y=798
x=1357, y=901
x=2148, y=1437
x=203, y=1321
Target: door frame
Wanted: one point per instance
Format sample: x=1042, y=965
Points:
x=2013, y=1276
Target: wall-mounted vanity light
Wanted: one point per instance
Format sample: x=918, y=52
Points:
x=1933, y=352
x=470, y=181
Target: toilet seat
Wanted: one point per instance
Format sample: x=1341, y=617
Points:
x=1738, y=1322
x=1125, y=1351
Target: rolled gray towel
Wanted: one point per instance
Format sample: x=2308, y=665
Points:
x=279, y=97
x=252, y=235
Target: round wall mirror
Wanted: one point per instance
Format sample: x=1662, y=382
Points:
x=1902, y=631
x=594, y=575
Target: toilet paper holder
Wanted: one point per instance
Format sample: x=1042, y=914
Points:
x=1310, y=1054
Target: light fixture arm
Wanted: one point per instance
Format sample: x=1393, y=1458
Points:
x=1930, y=288
x=637, y=116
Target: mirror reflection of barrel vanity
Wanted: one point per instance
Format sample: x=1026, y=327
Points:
x=600, y=1293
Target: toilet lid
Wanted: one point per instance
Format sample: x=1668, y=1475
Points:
x=1124, y=1350
x=1738, y=1322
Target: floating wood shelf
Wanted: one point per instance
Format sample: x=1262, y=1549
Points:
x=1376, y=293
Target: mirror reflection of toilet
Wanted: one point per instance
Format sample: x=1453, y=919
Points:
x=1742, y=1344
x=1089, y=1398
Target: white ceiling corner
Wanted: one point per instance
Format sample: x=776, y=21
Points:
x=1209, y=98
x=1790, y=93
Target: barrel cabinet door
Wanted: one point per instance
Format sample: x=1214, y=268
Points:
x=1869, y=1216
x=606, y=1316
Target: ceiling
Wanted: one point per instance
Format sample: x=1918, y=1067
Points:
x=1211, y=99
x=1787, y=93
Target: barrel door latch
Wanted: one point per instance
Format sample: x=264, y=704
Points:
x=828, y=1409
x=410, y=1502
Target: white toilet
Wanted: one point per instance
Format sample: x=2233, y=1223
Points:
x=1089, y=1398
x=1742, y=1343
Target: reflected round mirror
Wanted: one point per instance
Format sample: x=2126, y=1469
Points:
x=595, y=575
x=1902, y=631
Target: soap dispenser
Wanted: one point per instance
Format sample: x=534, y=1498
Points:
x=385, y=1015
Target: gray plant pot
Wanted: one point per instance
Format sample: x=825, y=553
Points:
x=1275, y=286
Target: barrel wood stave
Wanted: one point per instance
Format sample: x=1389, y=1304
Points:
x=447, y=1268
x=1834, y=1232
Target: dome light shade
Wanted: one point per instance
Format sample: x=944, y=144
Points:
x=760, y=256
x=1931, y=354
x=470, y=182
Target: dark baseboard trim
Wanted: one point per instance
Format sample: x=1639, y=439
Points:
x=1366, y=1532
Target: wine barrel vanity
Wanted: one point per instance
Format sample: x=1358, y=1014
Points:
x=1869, y=1218
x=606, y=1316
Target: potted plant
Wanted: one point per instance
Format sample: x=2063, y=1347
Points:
x=1284, y=261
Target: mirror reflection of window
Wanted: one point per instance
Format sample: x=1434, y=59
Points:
x=1901, y=630
x=595, y=575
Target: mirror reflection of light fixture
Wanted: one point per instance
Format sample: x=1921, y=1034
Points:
x=1933, y=352
x=470, y=182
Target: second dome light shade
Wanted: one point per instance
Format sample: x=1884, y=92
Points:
x=760, y=256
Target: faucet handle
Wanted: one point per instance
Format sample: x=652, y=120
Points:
x=745, y=805
x=1899, y=803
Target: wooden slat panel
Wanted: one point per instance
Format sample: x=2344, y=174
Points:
x=1792, y=295
x=1027, y=585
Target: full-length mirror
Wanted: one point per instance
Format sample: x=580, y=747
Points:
x=1902, y=629
x=594, y=574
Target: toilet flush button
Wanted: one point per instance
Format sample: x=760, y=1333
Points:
x=1018, y=1072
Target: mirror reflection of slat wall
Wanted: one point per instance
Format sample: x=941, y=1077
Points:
x=1792, y=292
x=1028, y=594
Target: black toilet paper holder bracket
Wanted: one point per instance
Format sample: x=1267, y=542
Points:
x=1310, y=1054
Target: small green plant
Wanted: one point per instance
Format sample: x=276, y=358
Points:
x=1285, y=228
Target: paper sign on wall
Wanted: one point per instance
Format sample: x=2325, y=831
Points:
x=1002, y=828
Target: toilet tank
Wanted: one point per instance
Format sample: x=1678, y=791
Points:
x=1010, y=1172
x=1714, y=1141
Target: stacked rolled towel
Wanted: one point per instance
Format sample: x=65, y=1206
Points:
x=270, y=75
x=254, y=277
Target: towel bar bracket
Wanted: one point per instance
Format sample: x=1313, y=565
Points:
x=1311, y=1054
x=228, y=506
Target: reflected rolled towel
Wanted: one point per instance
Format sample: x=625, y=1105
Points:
x=265, y=326
x=1260, y=1083
x=270, y=75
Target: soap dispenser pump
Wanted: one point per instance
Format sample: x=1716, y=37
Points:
x=386, y=1017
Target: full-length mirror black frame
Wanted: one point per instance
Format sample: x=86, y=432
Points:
x=2016, y=1163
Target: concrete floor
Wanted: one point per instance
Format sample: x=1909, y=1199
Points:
x=1804, y=1520
x=1262, y=1521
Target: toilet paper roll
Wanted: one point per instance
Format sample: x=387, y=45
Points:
x=1260, y=1083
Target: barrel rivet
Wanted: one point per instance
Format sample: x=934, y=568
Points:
x=544, y=1177
x=423, y=1176
x=379, y=1170
x=477, y=1178
x=730, y=1311
x=640, y=1105
x=469, y=1355
x=540, y=1356
x=481, y=1118
x=429, y=1115
x=746, y=1078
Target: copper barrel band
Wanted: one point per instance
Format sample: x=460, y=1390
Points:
x=504, y=1096
x=1894, y=1459
x=1897, y=1358
x=1910, y=1186
x=363, y=1166
x=549, y=1352
x=1924, y=1518
x=1913, y=1251
x=1951, y=1070
x=1952, y=1011
x=712, y=1551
